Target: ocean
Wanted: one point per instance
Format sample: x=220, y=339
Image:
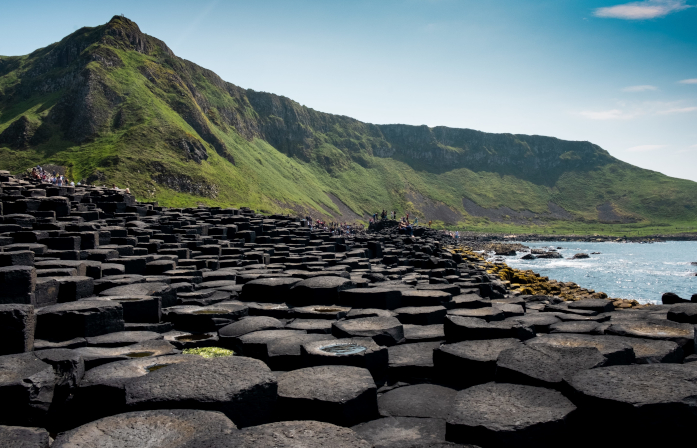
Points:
x=642, y=272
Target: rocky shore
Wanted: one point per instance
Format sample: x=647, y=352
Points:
x=378, y=339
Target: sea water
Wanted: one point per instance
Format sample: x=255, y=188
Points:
x=642, y=272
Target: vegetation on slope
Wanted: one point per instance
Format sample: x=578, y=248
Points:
x=114, y=105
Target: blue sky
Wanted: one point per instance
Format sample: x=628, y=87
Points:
x=620, y=74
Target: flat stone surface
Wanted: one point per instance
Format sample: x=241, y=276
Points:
x=357, y=352
x=617, y=352
x=319, y=290
x=680, y=333
x=423, y=333
x=26, y=387
x=96, y=356
x=421, y=400
x=294, y=434
x=648, y=351
x=84, y=318
x=343, y=395
x=242, y=388
x=170, y=428
x=21, y=437
x=396, y=432
x=411, y=362
x=380, y=298
x=122, y=338
x=386, y=331
x=470, y=362
x=659, y=398
x=494, y=414
x=458, y=328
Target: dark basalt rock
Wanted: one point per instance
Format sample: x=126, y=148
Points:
x=395, y=432
x=96, y=356
x=84, y=318
x=657, y=329
x=293, y=434
x=319, y=291
x=617, y=352
x=123, y=338
x=659, y=398
x=268, y=290
x=387, y=331
x=26, y=387
x=342, y=395
x=21, y=437
x=421, y=315
x=489, y=314
x=545, y=366
x=17, y=326
x=243, y=389
x=468, y=363
x=683, y=313
x=168, y=428
x=285, y=353
x=421, y=400
x=247, y=325
x=508, y=415
x=357, y=352
x=458, y=328
x=423, y=333
x=411, y=363
x=380, y=298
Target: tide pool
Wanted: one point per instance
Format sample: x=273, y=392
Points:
x=642, y=272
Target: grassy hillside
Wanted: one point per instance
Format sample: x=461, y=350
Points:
x=114, y=105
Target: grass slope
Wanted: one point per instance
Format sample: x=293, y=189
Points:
x=127, y=111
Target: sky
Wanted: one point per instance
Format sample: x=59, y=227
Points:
x=622, y=75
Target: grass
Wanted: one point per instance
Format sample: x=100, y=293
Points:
x=209, y=352
x=290, y=155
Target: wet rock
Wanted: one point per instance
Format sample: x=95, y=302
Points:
x=342, y=395
x=97, y=356
x=580, y=256
x=183, y=339
x=670, y=298
x=357, y=352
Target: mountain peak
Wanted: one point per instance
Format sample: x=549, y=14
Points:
x=124, y=33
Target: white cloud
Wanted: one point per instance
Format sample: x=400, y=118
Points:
x=689, y=81
x=649, y=9
x=679, y=110
x=639, y=88
x=614, y=114
x=645, y=148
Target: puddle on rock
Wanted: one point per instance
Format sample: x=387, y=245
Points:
x=139, y=354
x=193, y=337
x=343, y=349
x=157, y=367
x=328, y=310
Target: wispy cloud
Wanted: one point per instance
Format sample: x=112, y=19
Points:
x=639, y=88
x=614, y=114
x=689, y=81
x=628, y=111
x=678, y=110
x=649, y=9
x=645, y=148
x=692, y=148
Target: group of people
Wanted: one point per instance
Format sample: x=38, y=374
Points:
x=336, y=228
x=53, y=178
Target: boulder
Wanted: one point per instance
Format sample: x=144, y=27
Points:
x=684, y=313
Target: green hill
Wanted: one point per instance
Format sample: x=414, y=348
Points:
x=114, y=105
